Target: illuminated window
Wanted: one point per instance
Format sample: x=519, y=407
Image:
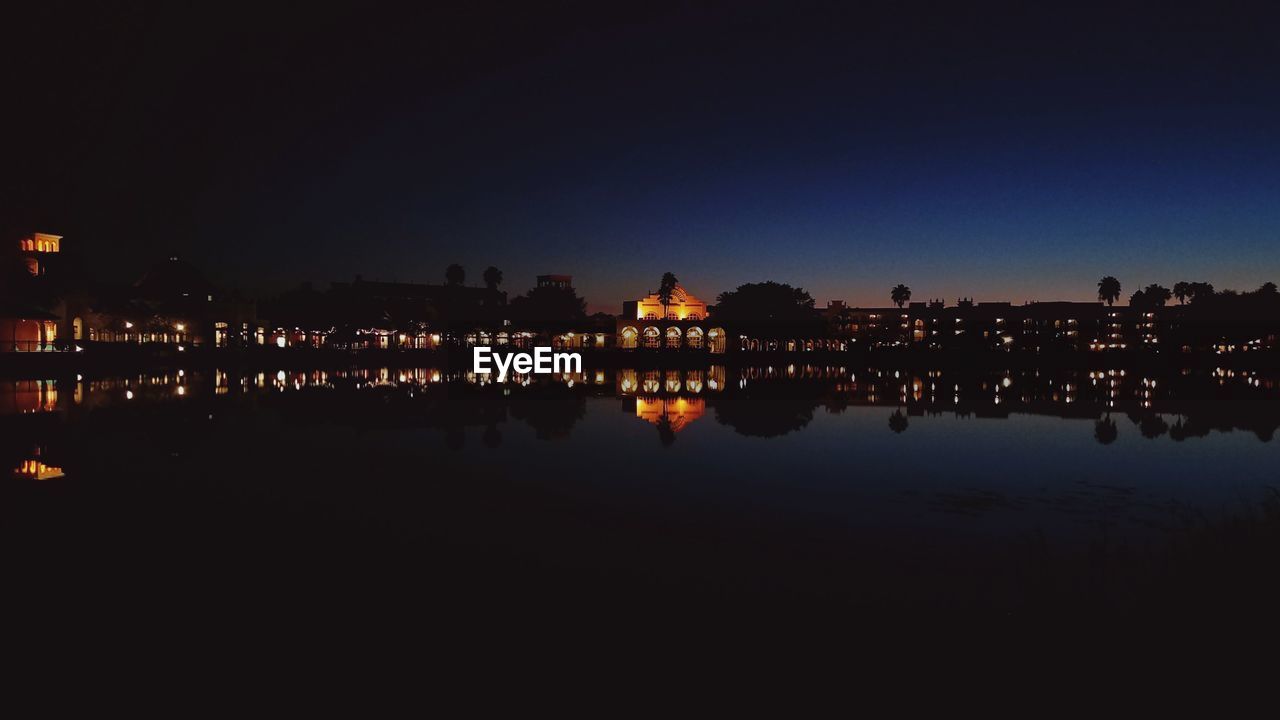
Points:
x=693, y=338
x=673, y=337
x=652, y=337
x=628, y=337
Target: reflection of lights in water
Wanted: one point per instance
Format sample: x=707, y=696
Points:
x=128, y=394
x=280, y=376
x=1006, y=382
x=182, y=390
x=36, y=470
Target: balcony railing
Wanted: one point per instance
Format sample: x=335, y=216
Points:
x=31, y=346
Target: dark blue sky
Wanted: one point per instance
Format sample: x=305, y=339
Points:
x=993, y=152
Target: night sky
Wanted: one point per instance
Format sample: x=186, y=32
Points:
x=992, y=152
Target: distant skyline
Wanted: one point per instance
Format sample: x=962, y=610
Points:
x=997, y=153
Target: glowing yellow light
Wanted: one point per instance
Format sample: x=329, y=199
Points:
x=128, y=394
x=180, y=327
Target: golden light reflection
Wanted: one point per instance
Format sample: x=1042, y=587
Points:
x=36, y=470
x=678, y=412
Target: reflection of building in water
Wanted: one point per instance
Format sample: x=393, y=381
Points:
x=678, y=325
x=678, y=411
x=34, y=469
x=28, y=396
x=628, y=381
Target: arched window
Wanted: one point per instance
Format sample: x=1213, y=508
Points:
x=672, y=381
x=628, y=337
x=693, y=337
x=651, y=316
x=652, y=337
x=673, y=338
x=693, y=381
x=716, y=340
x=651, y=384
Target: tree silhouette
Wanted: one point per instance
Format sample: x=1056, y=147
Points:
x=1201, y=291
x=551, y=410
x=1109, y=290
x=492, y=436
x=898, y=421
x=1268, y=288
x=666, y=434
x=1182, y=291
x=454, y=274
x=666, y=287
x=550, y=308
x=768, y=409
x=1105, y=431
x=492, y=277
x=1153, y=426
x=769, y=309
x=1157, y=295
x=900, y=294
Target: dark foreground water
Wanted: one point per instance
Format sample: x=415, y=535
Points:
x=369, y=494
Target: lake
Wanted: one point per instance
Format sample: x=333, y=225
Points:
x=755, y=486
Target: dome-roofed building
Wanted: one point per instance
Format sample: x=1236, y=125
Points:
x=676, y=325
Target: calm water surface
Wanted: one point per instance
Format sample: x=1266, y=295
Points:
x=788, y=481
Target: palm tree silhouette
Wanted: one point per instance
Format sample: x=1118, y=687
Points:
x=900, y=295
x=666, y=433
x=1182, y=291
x=492, y=277
x=898, y=421
x=1109, y=290
x=666, y=287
